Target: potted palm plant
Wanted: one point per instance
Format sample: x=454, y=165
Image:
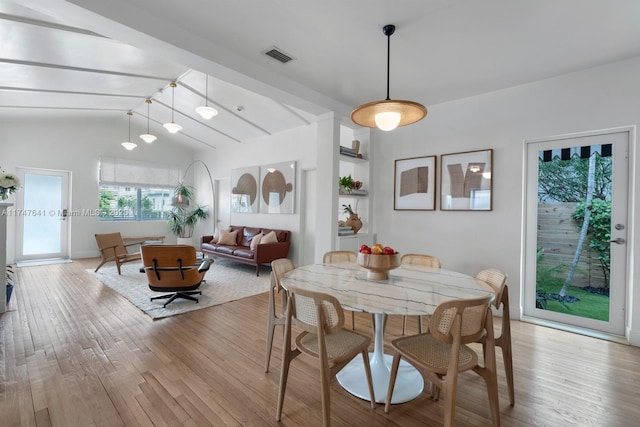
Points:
x=183, y=218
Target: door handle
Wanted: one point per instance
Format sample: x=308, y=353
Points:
x=618, y=241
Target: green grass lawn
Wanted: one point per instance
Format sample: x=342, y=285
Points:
x=592, y=306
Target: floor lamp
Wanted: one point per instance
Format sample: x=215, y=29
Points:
x=182, y=202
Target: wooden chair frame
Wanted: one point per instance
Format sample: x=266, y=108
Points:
x=326, y=319
x=498, y=281
x=453, y=336
x=278, y=268
x=113, y=249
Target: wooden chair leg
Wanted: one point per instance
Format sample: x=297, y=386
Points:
x=392, y=381
x=270, y=330
x=367, y=370
x=508, y=366
x=353, y=320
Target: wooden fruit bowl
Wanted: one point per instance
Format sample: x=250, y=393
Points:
x=378, y=265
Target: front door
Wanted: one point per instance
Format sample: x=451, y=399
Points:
x=42, y=214
x=576, y=230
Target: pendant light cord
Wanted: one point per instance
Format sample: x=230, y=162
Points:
x=173, y=97
x=206, y=91
x=148, y=105
x=388, y=61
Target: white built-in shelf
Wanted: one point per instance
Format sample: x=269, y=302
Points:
x=365, y=194
x=350, y=159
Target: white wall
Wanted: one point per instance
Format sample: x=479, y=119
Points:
x=76, y=145
x=597, y=98
x=297, y=144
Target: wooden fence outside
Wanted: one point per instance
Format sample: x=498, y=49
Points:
x=558, y=235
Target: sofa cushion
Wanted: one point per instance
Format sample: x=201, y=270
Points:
x=224, y=249
x=209, y=246
x=247, y=235
x=270, y=237
x=255, y=241
x=228, y=237
x=243, y=252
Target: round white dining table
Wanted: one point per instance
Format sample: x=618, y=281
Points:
x=409, y=290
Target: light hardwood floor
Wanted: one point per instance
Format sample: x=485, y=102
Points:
x=74, y=353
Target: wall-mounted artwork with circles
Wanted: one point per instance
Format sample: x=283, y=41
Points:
x=277, y=188
x=244, y=190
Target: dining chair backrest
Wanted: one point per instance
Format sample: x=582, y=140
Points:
x=420, y=259
x=472, y=312
x=312, y=310
x=342, y=256
x=279, y=268
x=497, y=280
x=339, y=256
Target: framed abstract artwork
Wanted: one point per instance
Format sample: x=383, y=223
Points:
x=414, y=184
x=277, y=188
x=466, y=181
x=244, y=190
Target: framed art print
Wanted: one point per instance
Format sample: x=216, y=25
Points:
x=414, y=184
x=277, y=188
x=244, y=190
x=466, y=181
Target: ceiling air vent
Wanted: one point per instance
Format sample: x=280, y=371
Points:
x=278, y=55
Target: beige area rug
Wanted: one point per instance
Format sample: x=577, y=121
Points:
x=225, y=281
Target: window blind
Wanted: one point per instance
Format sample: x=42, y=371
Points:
x=134, y=173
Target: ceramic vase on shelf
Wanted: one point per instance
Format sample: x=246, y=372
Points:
x=354, y=222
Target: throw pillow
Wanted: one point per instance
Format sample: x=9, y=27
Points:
x=255, y=241
x=216, y=236
x=270, y=237
x=228, y=237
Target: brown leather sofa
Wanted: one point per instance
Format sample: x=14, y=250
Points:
x=241, y=252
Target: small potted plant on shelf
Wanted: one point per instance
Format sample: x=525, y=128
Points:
x=345, y=184
x=182, y=219
x=353, y=220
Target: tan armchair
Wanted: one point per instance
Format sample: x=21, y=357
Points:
x=112, y=248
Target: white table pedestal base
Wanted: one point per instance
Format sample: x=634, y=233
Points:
x=409, y=382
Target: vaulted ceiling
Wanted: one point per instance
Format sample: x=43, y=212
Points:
x=76, y=56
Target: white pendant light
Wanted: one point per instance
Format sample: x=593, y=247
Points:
x=205, y=111
x=128, y=144
x=147, y=137
x=172, y=126
x=390, y=113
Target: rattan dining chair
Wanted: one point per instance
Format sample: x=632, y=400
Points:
x=332, y=257
x=423, y=261
x=276, y=317
x=498, y=281
x=321, y=318
x=442, y=353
